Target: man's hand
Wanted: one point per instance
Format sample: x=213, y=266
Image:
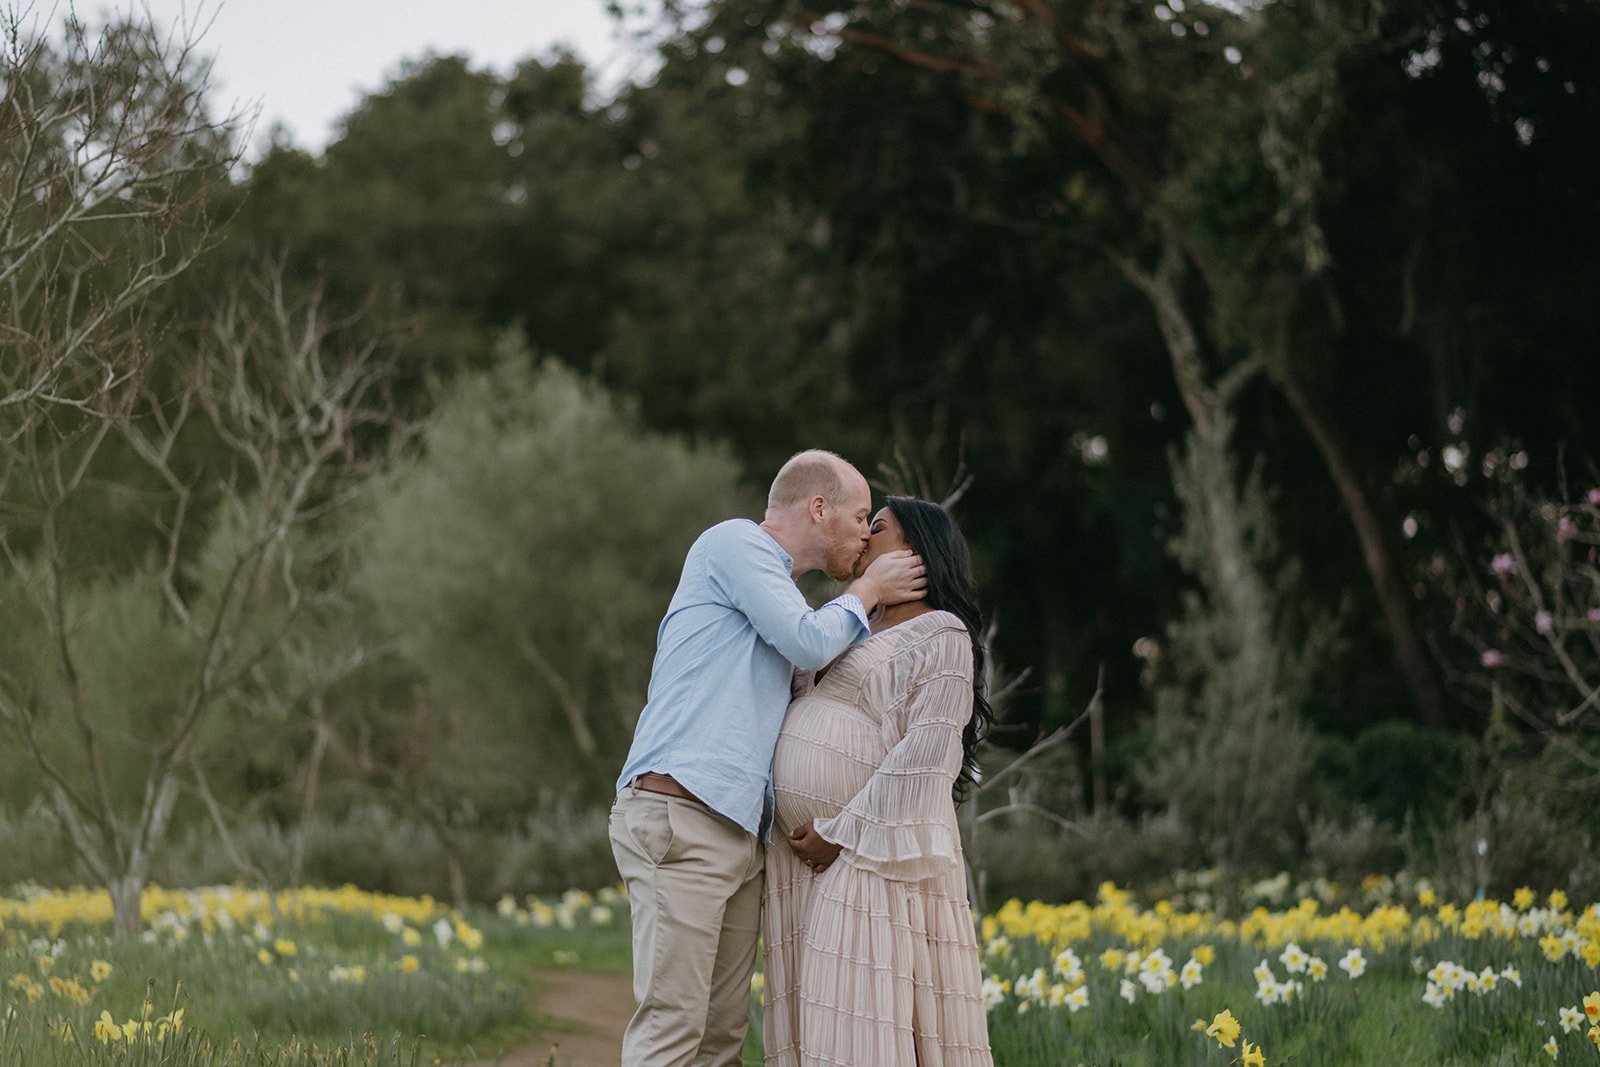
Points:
x=893, y=578
x=813, y=851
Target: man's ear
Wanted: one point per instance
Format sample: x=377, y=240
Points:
x=818, y=503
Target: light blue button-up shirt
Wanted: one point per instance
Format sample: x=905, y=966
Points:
x=736, y=628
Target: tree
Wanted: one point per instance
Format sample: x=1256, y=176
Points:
x=115, y=679
x=107, y=153
x=1229, y=748
x=1189, y=147
x=517, y=573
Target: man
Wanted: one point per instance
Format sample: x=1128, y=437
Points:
x=694, y=804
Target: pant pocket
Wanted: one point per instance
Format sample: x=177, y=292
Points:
x=650, y=825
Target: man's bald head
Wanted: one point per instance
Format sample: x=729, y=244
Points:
x=810, y=474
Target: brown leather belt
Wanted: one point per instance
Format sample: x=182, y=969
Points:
x=665, y=785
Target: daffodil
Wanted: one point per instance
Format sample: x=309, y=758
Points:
x=1251, y=1056
x=99, y=970
x=1294, y=958
x=1550, y=1048
x=1225, y=1028
x=1591, y=1006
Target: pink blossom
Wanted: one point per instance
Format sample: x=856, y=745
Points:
x=1566, y=530
x=1503, y=564
x=1594, y=614
x=1543, y=622
x=1594, y=496
x=1493, y=659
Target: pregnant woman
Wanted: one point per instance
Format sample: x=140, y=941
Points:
x=871, y=955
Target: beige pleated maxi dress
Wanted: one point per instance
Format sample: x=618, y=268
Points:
x=874, y=962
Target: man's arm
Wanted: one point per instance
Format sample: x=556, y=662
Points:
x=757, y=583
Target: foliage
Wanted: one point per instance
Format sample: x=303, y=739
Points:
x=1527, y=621
x=1229, y=751
x=519, y=568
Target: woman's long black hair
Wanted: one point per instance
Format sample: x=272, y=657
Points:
x=933, y=535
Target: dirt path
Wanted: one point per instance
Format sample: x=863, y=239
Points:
x=589, y=1011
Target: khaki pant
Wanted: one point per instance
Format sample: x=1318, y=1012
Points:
x=695, y=882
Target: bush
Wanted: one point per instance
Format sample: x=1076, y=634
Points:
x=555, y=849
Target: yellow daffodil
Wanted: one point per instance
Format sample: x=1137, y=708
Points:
x=1252, y=1056
x=408, y=964
x=99, y=970
x=1225, y=1028
x=1522, y=899
x=1591, y=1006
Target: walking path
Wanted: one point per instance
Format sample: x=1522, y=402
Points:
x=589, y=1013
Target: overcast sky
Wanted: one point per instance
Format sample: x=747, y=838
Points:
x=308, y=62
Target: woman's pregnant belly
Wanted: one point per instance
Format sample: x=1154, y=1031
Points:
x=826, y=752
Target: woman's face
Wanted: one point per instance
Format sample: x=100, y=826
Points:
x=885, y=535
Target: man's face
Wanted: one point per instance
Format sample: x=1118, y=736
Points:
x=845, y=530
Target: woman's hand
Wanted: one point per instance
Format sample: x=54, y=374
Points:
x=814, y=851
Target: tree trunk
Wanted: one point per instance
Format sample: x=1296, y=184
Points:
x=1377, y=553
x=308, y=797
x=127, y=896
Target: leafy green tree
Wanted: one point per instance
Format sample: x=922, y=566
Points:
x=1230, y=747
x=518, y=571
x=1199, y=148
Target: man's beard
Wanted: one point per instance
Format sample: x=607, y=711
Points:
x=845, y=568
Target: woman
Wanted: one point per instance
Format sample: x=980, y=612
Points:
x=871, y=957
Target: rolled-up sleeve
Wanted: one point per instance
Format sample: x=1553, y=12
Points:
x=756, y=581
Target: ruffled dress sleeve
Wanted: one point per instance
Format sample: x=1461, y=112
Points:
x=902, y=823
